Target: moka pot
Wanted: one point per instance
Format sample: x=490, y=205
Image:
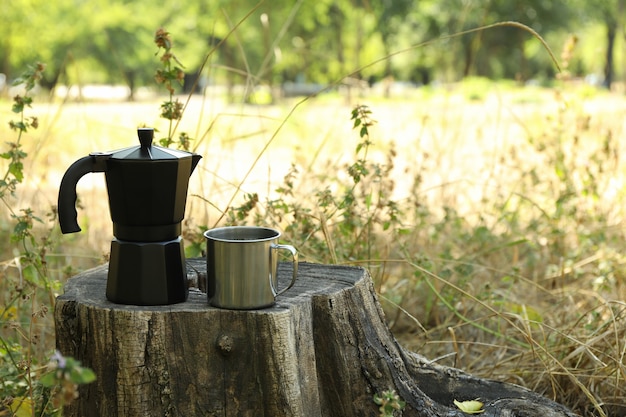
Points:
x=147, y=190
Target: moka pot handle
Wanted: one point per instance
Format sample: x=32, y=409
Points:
x=94, y=162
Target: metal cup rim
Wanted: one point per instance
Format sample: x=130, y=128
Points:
x=217, y=234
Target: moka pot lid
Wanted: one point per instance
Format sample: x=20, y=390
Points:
x=146, y=151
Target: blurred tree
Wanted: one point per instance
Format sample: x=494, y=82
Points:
x=611, y=13
x=29, y=34
x=333, y=39
x=121, y=41
x=313, y=50
x=390, y=15
x=287, y=40
x=498, y=52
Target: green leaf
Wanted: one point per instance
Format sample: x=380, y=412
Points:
x=48, y=380
x=17, y=170
x=21, y=228
x=81, y=375
x=19, y=126
x=193, y=250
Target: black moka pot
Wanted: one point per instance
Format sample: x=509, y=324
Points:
x=147, y=187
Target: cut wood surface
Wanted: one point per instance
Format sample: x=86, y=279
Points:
x=323, y=350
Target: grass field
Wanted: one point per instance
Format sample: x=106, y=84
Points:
x=490, y=216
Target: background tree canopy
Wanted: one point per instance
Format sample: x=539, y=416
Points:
x=111, y=41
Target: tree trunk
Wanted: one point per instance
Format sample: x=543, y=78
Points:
x=611, y=31
x=323, y=350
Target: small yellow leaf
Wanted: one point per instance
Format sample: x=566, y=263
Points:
x=22, y=407
x=470, y=407
x=9, y=314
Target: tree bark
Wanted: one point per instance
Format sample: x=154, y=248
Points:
x=611, y=32
x=323, y=350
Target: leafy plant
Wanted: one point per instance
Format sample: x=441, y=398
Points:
x=389, y=402
x=15, y=155
x=26, y=389
x=170, y=74
x=341, y=220
x=64, y=376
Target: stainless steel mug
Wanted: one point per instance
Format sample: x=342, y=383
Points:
x=241, y=267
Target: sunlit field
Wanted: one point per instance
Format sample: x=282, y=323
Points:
x=490, y=216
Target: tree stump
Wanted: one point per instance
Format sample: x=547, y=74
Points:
x=323, y=350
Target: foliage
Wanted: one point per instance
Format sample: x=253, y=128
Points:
x=343, y=220
x=286, y=41
x=64, y=376
x=15, y=155
x=170, y=73
x=389, y=402
x=27, y=388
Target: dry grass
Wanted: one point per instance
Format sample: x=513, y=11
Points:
x=508, y=257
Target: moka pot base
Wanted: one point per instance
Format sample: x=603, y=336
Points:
x=147, y=273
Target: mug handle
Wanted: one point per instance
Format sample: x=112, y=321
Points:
x=294, y=255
